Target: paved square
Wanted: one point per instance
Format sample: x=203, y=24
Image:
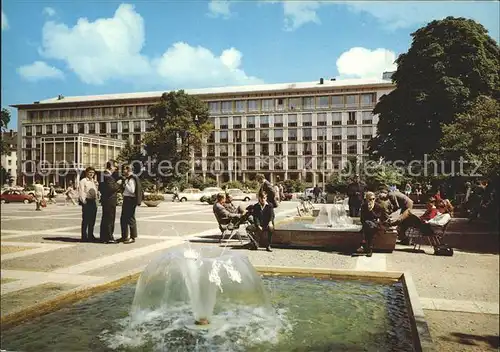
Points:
x=42, y=256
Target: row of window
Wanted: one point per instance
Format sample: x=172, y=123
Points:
x=120, y=111
x=307, y=149
x=93, y=128
x=297, y=103
x=307, y=120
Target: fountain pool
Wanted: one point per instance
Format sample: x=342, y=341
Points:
x=241, y=310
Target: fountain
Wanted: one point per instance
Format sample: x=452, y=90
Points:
x=198, y=279
x=208, y=299
x=332, y=229
x=334, y=217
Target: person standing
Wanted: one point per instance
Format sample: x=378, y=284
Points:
x=267, y=188
x=132, y=197
x=52, y=194
x=316, y=193
x=70, y=194
x=87, y=196
x=263, y=215
x=355, y=192
x=39, y=196
x=109, y=188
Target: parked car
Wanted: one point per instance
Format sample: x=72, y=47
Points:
x=12, y=196
x=192, y=194
x=208, y=191
x=238, y=194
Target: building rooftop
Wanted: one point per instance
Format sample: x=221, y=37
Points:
x=327, y=83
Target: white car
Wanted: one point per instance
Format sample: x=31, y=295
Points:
x=46, y=191
x=192, y=194
x=211, y=191
x=238, y=194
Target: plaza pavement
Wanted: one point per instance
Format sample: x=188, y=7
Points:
x=41, y=257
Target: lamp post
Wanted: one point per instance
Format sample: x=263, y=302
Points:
x=324, y=159
x=187, y=134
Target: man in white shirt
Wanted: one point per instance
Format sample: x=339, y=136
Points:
x=132, y=197
x=87, y=196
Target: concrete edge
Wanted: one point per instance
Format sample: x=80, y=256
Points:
x=65, y=298
x=420, y=331
x=420, y=328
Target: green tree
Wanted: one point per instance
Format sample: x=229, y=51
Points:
x=449, y=64
x=474, y=136
x=132, y=154
x=180, y=123
x=5, y=177
x=4, y=122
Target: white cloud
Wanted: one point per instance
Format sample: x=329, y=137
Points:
x=195, y=67
x=395, y=14
x=219, y=8
x=5, y=22
x=365, y=63
x=111, y=49
x=299, y=13
x=39, y=70
x=49, y=11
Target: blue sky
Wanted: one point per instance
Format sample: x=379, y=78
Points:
x=81, y=48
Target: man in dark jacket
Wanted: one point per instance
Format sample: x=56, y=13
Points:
x=132, y=197
x=263, y=215
x=355, y=192
x=109, y=187
x=267, y=188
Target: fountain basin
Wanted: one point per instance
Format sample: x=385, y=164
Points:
x=358, y=311
x=299, y=232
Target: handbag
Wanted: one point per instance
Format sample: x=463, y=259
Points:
x=443, y=250
x=43, y=203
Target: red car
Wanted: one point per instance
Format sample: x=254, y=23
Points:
x=12, y=196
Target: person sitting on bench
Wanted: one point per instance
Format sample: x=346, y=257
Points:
x=426, y=226
x=408, y=219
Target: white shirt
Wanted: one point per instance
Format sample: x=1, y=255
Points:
x=87, y=189
x=129, y=187
x=38, y=190
x=440, y=219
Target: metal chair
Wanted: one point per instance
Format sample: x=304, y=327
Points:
x=416, y=236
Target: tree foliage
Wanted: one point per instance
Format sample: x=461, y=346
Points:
x=5, y=176
x=180, y=123
x=450, y=63
x=4, y=122
x=474, y=135
x=132, y=154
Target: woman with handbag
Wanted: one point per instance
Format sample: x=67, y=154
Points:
x=39, y=196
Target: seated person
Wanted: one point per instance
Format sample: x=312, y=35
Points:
x=228, y=204
x=223, y=215
x=441, y=219
x=370, y=215
x=409, y=219
x=263, y=216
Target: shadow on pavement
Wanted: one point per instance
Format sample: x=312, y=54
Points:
x=63, y=239
x=474, y=340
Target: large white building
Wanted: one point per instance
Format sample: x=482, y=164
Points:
x=292, y=130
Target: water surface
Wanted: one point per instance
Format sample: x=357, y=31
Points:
x=308, y=315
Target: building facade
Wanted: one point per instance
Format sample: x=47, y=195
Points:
x=9, y=160
x=285, y=131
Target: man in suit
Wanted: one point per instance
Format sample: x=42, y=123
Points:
x=132, y=197
x=267, y=188
x=109, y=187
x=87, y=196
x=263, y=215
x=355, y=192
x=223, y=215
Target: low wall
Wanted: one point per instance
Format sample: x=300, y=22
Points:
x=343, y=241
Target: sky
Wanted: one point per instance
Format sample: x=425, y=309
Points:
x=92, y=47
